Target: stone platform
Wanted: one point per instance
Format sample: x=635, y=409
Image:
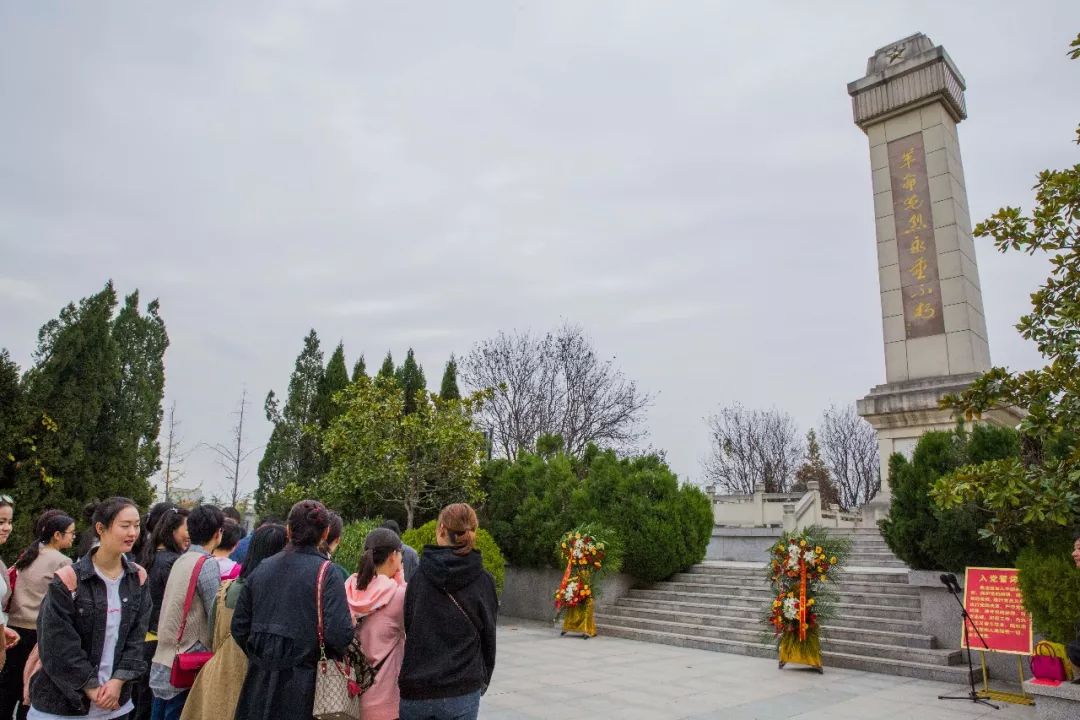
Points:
x=542, y=675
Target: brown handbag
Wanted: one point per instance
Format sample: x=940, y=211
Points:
x=186, y=665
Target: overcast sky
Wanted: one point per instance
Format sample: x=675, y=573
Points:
x=683, y=179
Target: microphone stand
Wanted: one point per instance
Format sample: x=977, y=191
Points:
x=972, y=695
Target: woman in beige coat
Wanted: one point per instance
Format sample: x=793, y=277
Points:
x=217, y=687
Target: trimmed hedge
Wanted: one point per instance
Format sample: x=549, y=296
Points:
x=493, y=559
x=662, y=527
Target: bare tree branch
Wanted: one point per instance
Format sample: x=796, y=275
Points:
x=174, y=455
x=750, y=447
x=553, y=384
x=850, y=447
x=232, y=456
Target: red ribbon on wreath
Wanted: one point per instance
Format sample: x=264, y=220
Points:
x=802, y=598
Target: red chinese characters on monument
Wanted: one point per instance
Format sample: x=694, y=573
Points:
x=994, y=602
x=919, y=285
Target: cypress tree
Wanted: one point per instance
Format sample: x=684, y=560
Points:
x=294, y=452
x=335, y=378
x=387, y=369
x=359, y=369
x=449, y=388
x=411, y=378
x=94, y=404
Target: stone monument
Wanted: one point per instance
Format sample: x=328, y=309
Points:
x=909, y=104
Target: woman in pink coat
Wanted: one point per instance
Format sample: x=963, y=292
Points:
x=376, y=598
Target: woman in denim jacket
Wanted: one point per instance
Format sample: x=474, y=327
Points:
x=90, y=641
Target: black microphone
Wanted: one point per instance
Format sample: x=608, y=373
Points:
x=950, y=582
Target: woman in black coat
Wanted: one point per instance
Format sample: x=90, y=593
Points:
x=275, y=622
x=450, y=614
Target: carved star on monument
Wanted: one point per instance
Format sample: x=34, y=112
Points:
x=896, y=54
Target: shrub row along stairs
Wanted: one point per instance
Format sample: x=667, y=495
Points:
x=719, y=606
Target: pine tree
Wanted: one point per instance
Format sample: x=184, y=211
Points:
x=359, y=369
x=411, y=378
x=387, y=369
x=12, y=421
x=294, y=452
x=449, y=388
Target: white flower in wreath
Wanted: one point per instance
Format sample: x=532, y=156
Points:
x=791, y=609
x=809, y=556
x=793, y=556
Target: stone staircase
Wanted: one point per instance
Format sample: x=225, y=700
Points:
x=719, y=606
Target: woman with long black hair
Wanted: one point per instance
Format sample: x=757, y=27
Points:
x=167, y=541
x=276, y=620
x=54, y=532
x=90, y=639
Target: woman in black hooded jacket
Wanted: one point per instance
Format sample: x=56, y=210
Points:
x=450, y=614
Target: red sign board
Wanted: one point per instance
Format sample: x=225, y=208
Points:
x=993, y=600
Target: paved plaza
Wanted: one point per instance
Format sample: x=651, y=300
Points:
x=542, y=675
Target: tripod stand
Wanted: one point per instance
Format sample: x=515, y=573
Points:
x=950, y=582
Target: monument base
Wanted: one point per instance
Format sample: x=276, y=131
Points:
x=901, y=412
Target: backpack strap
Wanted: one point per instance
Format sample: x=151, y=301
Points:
x=67, y=576
x=141, y=570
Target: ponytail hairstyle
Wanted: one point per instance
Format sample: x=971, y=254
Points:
x=162, y=536
x=460, y=523
x=379, y=545
x=308, y=520
x=47, y=524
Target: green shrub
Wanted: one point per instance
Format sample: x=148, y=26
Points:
x=916, y=530
x=528, y=506
x=1050, y=582
x=352, y=542
x=665, y=528
x=493, y=559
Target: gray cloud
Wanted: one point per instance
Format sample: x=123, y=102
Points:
x=682, y=179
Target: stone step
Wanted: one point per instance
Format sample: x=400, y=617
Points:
x=755, y=626
x=756, y=605
x=843, y=587
x=763, y=594
x=854, y=622
x=897, y=577
x=953, y=674
x=829, y=643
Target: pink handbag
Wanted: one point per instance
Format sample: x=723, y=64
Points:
x=1046, y=665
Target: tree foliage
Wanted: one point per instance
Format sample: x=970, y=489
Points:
x=294, y=453
x=553, y=384
x=751, y=447
x=1040, y=492
x=411, y=378
x=417, y=461
x=83, y=422
x=814, y=469
x=925, y=536
x=448, y=389
x=1050, y=586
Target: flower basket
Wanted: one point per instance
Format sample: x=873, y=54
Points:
x=802, y=565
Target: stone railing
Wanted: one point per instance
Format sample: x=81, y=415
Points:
x=789, y=511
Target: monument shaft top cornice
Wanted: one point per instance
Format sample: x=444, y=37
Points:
x=904, y=75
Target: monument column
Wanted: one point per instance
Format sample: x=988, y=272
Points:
x=909, y=105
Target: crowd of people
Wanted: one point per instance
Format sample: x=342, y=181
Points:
x=181, y=615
